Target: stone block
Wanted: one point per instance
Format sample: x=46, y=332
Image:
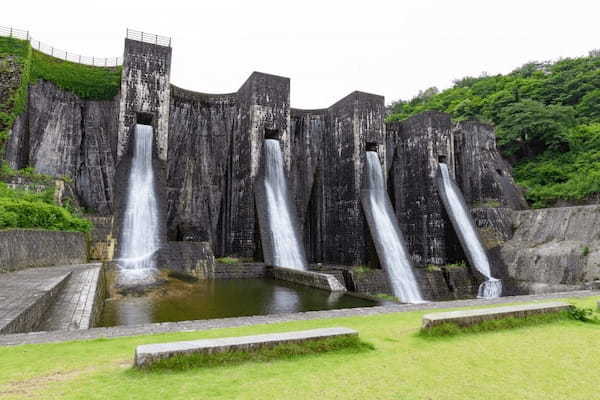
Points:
x=146, y=355
x=473, y=317
x=307, y=278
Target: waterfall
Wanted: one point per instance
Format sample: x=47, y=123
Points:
x=465, y=227
x=386, y=233
x=140, y=229
x=280, y=234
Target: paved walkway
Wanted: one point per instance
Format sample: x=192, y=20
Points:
x=187, y=326
x=73, y=307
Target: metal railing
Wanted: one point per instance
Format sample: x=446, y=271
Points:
x=58, y=53
x=148, y=38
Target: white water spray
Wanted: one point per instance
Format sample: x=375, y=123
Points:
x=387, y=235
x=287, y=251
x=463, y=223
x=140, y=231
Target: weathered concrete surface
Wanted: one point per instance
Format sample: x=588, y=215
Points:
x=102, y=242
x=79, y=303
x=26, y=295
x=414, y=147
x=147, y=354
x=553, y=249
x=191, y=258
x=25, y=248
x=473, y=317
x=62, y=135
x=188, y=326
x=239, y=271
x=145, y=88
x=307, y=278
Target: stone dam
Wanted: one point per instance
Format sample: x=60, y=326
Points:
x=206, y=156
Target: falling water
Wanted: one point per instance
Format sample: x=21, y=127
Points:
x=463, y=222
x=387, y=235
x=284, y=239
x=140, y=233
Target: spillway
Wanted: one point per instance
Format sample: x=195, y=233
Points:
x=389, y=241
x=140, y=229
x=467, y=233
x=281, y=244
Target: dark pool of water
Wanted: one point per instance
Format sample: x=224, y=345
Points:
x=180, y=301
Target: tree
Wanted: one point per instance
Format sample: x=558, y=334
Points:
x=529, y=127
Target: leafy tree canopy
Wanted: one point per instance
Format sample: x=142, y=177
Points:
x=547, y=116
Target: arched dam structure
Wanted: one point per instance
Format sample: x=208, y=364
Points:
x=207, y=157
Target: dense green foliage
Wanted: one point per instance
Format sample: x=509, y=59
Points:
x=14, y=103
x=24, y=209
x=548, y=122
x=87, y=82
x=6, y=172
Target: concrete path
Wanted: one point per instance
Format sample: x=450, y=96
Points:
x=188, y=326
x=74, y=306
x=26, y=295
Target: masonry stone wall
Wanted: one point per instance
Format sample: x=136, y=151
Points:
x=63, y=136
x=145, y=88
x=414, y=149
x=190, y=258
x=20, y=249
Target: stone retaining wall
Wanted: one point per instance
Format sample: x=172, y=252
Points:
x=20, y=249
x=239, y=271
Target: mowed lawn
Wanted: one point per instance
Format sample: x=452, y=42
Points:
x=559, y=360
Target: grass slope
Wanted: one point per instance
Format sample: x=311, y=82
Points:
x=87, y=82
x=557, y=360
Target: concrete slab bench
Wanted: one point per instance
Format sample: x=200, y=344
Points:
x=148, y=354
x=473, y=317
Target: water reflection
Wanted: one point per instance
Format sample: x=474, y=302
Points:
x=180, y=301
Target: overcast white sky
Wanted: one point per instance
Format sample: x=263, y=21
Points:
x=327, y=48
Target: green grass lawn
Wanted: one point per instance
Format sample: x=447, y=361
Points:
x=558, y=360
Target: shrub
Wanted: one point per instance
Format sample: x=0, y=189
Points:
x=28, y=214
x=582, y=314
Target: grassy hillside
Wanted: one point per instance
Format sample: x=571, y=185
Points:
x=87, y=82
x=15, y=60
x=547, y=116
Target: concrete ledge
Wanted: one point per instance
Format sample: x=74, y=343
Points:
x=26, y=299
x=307, y=278
x=79, y=304
x=148, y=354
x=473, y=317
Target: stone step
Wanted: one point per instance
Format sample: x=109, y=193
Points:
x=79, y=303
x=473, y=317
x=26, y=295
x=148, y=354
x=307, y=278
